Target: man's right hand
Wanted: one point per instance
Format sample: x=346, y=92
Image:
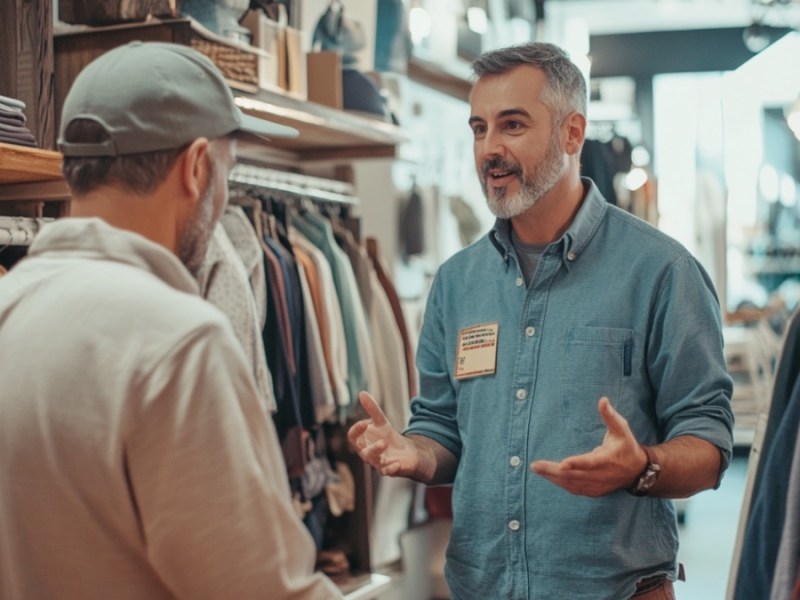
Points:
x=380, y=445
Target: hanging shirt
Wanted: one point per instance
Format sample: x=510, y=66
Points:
x=319, y=232
x=224, y=282
x=331, y=318
x=244, y=238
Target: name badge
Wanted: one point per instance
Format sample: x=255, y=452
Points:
x=477, y=350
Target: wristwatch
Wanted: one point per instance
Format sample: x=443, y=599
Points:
x=645, y=482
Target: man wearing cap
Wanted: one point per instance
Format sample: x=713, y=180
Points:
x=135, y=459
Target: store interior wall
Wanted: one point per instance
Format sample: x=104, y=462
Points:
x=705, y=135
x=437, y=161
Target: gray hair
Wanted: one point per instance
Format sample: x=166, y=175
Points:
x=566, y=85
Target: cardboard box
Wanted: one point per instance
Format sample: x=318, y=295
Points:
x=324, y=78
x=267, y=36
x=288, y=69
x=296, y=77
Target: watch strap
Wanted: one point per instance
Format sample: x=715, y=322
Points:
x=647, y=479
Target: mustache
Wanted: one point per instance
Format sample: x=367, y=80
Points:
x=500, y=165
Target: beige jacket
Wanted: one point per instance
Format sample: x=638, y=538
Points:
x=135, y=460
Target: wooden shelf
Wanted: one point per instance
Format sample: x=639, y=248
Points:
x=439, y=78
x=20, y=164
x=31, y=183
x=325, y=133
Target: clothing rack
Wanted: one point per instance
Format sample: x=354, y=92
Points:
x=293, y=184
x=20, y=231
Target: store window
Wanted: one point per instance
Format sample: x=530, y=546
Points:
x=761, y=169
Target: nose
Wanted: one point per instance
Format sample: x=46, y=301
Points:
x=490, y=146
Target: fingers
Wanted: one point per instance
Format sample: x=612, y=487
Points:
x=615, y=422
x=356, y=431
x=545, y=468
x=373, y=453
x=583, y=462
x=390, y=469
x=373, y=410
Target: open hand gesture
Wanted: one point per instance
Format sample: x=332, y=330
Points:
x=611, y=466
x=380, y=445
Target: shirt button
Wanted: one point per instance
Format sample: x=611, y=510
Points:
x=513, y=525
x=530, y=331
x=520, y=281
x=515, y=460
x=521, y=394
x=570, y=256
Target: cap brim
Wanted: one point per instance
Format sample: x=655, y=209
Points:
x=264, y=128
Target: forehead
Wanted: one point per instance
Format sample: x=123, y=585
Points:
x=522, y=87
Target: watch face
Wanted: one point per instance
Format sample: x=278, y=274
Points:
x=648, y=480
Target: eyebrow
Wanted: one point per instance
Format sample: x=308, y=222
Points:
x=508, y=112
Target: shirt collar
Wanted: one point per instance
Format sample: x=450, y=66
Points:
x=93, y=238
x=575, y=238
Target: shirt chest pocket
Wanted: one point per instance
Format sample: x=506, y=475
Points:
x=595, y=363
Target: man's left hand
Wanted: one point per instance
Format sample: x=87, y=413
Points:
x=611, y=466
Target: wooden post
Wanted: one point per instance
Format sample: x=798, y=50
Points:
x=26, y=55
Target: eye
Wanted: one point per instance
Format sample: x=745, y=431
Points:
x=513, y=125
x=478, y=129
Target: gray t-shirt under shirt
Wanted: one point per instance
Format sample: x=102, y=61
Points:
x=528, y=255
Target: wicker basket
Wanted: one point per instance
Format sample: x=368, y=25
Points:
x=238, y=62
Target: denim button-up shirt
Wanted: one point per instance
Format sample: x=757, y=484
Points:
x=616, y=308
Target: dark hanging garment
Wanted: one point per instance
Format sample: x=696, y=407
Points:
x=412, y=224
x=597, y=164
x=768, y=511
x=279, y=349
x=768, y=502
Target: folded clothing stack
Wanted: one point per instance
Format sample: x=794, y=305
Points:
x=12, y=123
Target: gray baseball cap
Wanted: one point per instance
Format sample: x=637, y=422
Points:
x=152, y=96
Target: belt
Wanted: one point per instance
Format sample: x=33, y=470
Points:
x=648, y=584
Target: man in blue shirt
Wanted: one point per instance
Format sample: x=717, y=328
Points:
x=573, y=338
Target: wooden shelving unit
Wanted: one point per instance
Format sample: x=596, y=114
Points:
x=20, y=164
x=31, y=183
x=325, y=133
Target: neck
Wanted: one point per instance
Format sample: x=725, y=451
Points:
x=549, y=218
x=151, y=215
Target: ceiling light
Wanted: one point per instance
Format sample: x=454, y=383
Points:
x=756, y=37
x=419, y=24
x=477, y=20
x=635, y=179
x=793, y=118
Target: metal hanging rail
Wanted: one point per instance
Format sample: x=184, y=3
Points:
x=294, y=184
x=20, y=231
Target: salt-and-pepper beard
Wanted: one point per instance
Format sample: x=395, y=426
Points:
x=196, y=236
x=541, y=180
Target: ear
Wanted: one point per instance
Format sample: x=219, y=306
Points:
x=575, y=129
x=194, y=171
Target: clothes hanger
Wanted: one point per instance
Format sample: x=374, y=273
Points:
x=10, y=241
